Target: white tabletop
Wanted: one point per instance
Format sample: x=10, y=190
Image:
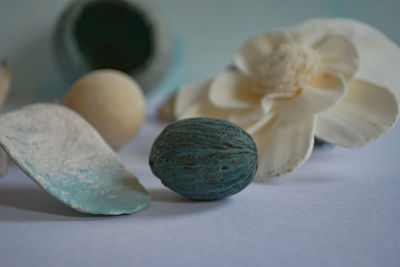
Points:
x=342, y=208
x=339, y=209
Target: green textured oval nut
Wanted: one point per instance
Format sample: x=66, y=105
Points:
x=204, y=159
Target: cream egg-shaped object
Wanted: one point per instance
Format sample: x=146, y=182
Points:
x=111, y=101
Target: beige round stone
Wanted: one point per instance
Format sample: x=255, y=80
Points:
x=111, y=101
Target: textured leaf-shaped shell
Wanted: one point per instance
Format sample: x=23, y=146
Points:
x=204, y=159
x=64, y=155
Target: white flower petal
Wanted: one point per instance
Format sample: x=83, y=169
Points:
x=256, y=48
x=281, y=148
x=379, y=56
x=189, y=95
x=204, y=108
x=257, y=125
x=321, y=93
x=232, y=89
x=338, y=54
x=310, y=31
x=379, y=62
x=366, y=112
x=253, y=119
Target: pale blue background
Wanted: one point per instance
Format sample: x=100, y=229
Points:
x=205, y=34
x=342, y=208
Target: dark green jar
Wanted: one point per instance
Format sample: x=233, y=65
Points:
x=204, y=158
x=126, y=35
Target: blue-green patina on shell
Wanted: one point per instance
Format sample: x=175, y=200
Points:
x=69, y=159
x=204, y=158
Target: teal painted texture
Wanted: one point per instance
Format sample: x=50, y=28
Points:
x=65, y=156
x=204, y=159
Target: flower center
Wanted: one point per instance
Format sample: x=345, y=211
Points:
x=286, y=70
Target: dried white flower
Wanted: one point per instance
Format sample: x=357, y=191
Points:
x=326, y=77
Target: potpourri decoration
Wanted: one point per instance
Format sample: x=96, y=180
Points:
x=335, y=79
x=65, y=156
x=111, y=101
x=204, y=159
